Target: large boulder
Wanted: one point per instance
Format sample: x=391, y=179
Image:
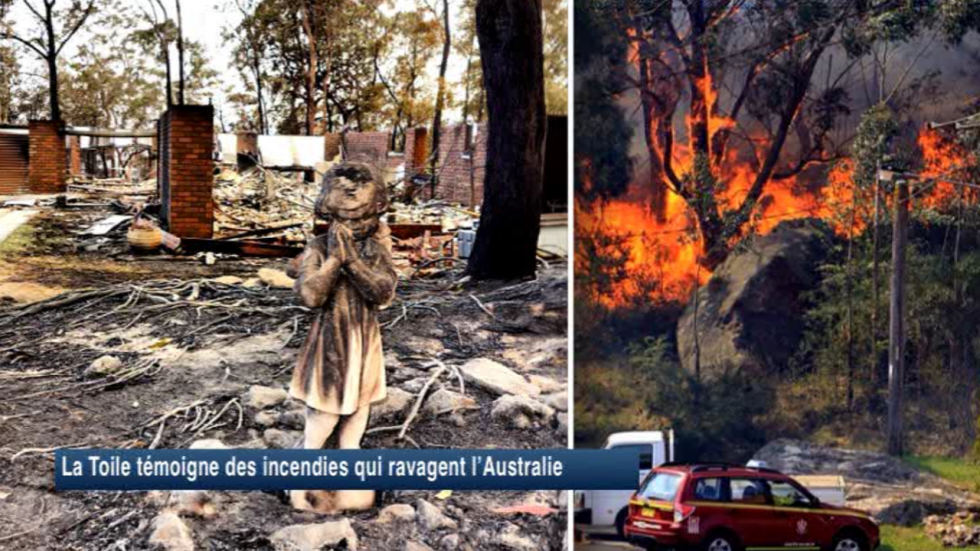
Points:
x=750, y=313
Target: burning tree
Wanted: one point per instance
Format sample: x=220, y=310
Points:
x=731, y=100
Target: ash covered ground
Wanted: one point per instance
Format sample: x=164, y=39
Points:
x=122, y=351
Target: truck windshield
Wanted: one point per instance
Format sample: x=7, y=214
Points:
x=661, y=486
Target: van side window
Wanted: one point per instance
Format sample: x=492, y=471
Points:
x=645, y=451
x=748, y=491
x=708, y=489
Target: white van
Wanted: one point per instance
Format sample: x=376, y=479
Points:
x=597, y=508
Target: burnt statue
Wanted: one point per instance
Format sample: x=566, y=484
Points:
x=346, y=275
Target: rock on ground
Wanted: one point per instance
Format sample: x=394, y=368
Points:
x=397, y=402
x=956, y=530
x=416, y=546
x=887, y=487
x=750, y=311
x=431, y=518
x=545, y=384
x=208, y=444
x=512, y=538
x=263, y=397
x=228, y=280
x=294, y=420
x=449, y=542
x=497, y=378
x=399, y=512
x=171, y=533
x=103, y=366
x=444, y=401
x=280, y=439
x=275, y=278
x=266, y=418
x=521, y=412
x=558, y=401
x=314, y=537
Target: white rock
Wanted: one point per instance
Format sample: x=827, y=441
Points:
x=444, y=401
x=413, y=386
x=399, y=512
x=276, y=278
x=228, y=280
x=520, y=411
x=497, y=378
x=171, y=533
x=431, y=518
x=416, y=546
x=558, y=401
x=546, y=384
x=252, y=283
x=450, y=542
x=511, y=538
x=262, y=397
x=313, y=537
x=208, y=444
x=266, y=418
x=103, y=366
x=397, y=402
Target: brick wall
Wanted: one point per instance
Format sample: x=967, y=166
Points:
x=74, y=156
x=369, y=147
x=458, y=168
x=416, y=150
x=374, y=148
x=48, y=157
x=185, y=173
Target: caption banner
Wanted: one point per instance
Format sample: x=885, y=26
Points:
x=241, y=469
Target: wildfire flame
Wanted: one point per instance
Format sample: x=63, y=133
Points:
x=661, y=255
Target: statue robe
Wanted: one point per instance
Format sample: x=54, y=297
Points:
x=340, y=368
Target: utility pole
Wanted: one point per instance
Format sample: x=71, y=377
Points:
x=896, y=332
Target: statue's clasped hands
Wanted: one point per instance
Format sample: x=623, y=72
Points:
x=340, y=244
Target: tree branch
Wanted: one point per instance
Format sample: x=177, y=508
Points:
x=34, y=11
x=78, y=24
x=11, y=36
x=786, y=120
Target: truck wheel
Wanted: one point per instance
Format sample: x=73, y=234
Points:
x=849, y=542
x=621, y=523
x=721, y=541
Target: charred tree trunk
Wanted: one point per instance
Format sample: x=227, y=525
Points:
x=512, y=56
x=180, y=55
x=52, y=62
x=308, y=29
x=440, y=97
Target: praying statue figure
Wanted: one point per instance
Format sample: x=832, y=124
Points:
x=346, y=276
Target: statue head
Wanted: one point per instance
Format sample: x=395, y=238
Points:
x=354, y=195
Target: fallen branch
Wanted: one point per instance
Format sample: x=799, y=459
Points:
x=29, y=451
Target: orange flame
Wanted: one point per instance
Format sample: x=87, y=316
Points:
x=658, y=245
